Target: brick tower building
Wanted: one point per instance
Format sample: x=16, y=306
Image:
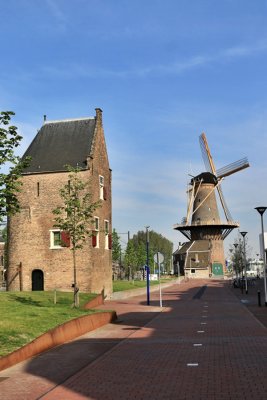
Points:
x=36, y=258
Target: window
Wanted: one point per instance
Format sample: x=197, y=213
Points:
x=106, y=224
x=95, y=236
x=59, y=239
x=55, y=239
x=101, y=187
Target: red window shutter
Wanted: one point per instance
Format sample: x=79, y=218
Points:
x=65, y=239
x=110, y=241
x=105, y=193
x=94, y=238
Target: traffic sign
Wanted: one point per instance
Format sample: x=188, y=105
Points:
x=158, y=258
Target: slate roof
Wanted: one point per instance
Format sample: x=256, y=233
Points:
x=183, y=249
x=59, y=143
x=200, y=245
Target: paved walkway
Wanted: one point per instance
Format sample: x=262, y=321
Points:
x=203, y=345
x=251, y=299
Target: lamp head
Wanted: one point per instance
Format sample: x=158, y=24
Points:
x=243, y=234
x=261, y=210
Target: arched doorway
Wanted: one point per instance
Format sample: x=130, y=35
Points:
x=37, y=279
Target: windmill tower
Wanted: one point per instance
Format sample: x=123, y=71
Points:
x=202, y=224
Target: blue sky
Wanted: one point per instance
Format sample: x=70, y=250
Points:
x=162, y=72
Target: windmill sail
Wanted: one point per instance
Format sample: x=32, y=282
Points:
x=207, y=158
x=232, y=168
x=222, y=172
x=227, y=213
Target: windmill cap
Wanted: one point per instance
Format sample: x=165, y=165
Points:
x=205, y=177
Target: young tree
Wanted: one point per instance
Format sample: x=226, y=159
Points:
x=237, y=254
x=130, y=258
x=10, y=184
x=116, y=246
x=75, y=216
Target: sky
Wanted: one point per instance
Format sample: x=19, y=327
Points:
x=163, y=72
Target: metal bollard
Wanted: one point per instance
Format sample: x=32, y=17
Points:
x=259, y=298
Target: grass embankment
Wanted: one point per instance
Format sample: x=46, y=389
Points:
x=119, y=286
x=27, y=315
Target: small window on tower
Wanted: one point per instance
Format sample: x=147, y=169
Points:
x=106, y=223
x=101, y=187
x=59, y=239
x=55, y=239
x=95, y=235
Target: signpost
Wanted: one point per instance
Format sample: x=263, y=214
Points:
x=159, y=258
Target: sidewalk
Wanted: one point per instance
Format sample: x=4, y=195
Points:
x=250, y=300
x=203, y=345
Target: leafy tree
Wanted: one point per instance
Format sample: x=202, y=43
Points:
x=157, y=242
x=116, y=246
x=75, y=216
x=237, y=254
x=10, y=184
x=130, y=257
x=136, y=252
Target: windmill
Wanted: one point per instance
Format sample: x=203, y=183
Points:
x=202, y=222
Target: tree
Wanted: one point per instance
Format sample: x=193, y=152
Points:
x=136, y=256
x=130, y=258
x=237, y=254
x=157, y=242
x=10, y=184
x=116, y=246
x=75, y=216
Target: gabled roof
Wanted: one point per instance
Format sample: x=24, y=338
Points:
x=183, y=249
x=194, y=246
x=200, y=245
x=60, y=143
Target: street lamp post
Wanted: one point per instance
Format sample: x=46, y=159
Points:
x=245, y=263
x=261, y=211
x=147, y=265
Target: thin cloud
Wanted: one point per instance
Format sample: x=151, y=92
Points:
x=55, y=10
x=175, y=68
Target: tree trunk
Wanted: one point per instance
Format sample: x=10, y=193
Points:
x=75, y=288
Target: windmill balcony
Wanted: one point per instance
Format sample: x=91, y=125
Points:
x=184, y=224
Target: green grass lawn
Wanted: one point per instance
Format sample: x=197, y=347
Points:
x=119, y=286
x=26, y=315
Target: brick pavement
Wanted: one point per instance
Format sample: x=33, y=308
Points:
x=203, y=345
x=250, y=300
